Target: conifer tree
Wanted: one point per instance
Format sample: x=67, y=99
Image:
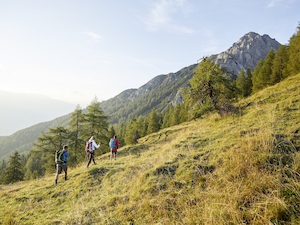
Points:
x=209, y=89
x=175, y=116
x=96, y=122
x=249, y=82
x=76, y=142
x=2, y=170
x=49, y=143
x=166, y=117
x=132, y=132
x=112, y=131
x=293, y=66
x=256, y=77
x=241, y=83
x=279, y=65
x=153, y=122
x=14, y=171
x=266, y=70
x=34, y=166
x=141, y=126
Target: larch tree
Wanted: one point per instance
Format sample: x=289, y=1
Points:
x=76, y=142
x=96, y=122
x=48, y=143
x=257, y=80
x=209, y=89
x=241, y=83
x=280, y=65
x=153, y=122
x=293, y=66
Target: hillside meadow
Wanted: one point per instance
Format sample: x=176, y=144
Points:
x=235, y=169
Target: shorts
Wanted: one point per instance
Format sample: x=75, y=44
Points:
x=61, y=167
x=113, y=150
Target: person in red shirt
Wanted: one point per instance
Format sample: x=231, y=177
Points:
x=114, y=145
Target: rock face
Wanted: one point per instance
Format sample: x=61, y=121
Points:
x=245, y=53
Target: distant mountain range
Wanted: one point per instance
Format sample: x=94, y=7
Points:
x=163, y=90
x=23, y=110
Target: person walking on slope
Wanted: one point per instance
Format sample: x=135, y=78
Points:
x=61, y=159
x=91, y=150
x=114, y=145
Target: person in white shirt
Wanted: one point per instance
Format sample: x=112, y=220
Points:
x=92, y=147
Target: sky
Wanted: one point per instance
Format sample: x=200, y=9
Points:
x=76, y=50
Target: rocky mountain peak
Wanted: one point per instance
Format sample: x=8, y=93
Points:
x=246, y=52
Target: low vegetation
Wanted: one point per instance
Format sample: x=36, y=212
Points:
x=242, y=168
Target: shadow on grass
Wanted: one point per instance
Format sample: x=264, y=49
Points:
x=134, y=150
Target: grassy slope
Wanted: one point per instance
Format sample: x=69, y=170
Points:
x=241, y=169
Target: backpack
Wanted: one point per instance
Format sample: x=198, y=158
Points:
x=112, y=143
x=88, y=146
x=59, y=156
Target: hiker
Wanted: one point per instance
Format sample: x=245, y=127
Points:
x=114, y=145
x=61, y=162
x=91, y=150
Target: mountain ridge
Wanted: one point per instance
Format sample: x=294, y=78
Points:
x=245, y=53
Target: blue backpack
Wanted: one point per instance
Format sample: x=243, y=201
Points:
x=112, y=143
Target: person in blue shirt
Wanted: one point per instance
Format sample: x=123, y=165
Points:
x=62, y=164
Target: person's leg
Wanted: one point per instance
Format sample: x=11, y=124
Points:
x=58, y=171
x=94, y=158
x=65, y=167
x=90, y=159
x=111, y=154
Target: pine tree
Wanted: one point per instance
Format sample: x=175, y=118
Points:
x=14, y=170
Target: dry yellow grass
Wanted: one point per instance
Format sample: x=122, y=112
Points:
x=240, y=169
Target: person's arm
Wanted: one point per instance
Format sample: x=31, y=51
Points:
x=96, y=146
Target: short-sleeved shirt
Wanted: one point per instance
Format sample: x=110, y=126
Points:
x=65, y=156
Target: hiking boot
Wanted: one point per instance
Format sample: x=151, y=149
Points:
x=55, y=183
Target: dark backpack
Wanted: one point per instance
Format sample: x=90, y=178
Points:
x=59, y=156
x=88, y=146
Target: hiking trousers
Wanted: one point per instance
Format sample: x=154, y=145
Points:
x=91, y=157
